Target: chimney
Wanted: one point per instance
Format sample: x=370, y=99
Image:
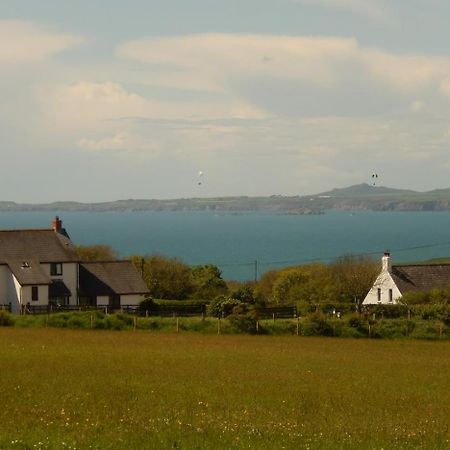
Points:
x=386, y=262
x=57, y=224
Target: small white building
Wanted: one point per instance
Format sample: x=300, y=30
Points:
x=396, y=280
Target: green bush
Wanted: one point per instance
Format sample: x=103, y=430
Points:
x=357, y=326
x=222, y=306
x=6, y=319
x=244, y=320
x=320, y=326
x=148, y=305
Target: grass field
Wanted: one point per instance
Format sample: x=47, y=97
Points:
x=64, y=389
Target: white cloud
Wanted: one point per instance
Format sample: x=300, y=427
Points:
x=220, y=61
x=115, y=142
x=25, y=42
x=87, y=102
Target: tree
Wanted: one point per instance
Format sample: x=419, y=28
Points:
x=264, y=287
x=166, y=278
x=207, y=282
x=310, y=284
x=95, y=253
x=355, y=275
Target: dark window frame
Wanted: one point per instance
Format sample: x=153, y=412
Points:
x=34, y=293
x=56, y=269
x=379, y=295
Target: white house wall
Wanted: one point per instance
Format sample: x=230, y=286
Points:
x=385, y=283
x=9, y=289
x=42, y=296
x=131, y=299
x=103, y=300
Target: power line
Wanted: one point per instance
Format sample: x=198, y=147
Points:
x=331, y=258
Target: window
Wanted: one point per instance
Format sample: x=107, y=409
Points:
x=379, y=295
x=390, y=296
x=55, y=269
x=34, y=293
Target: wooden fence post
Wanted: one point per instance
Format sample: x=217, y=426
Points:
x=178, y=325
x=218, y=325
x=370, y=331
x=273, y=317
x=257, y=326
x=134, y=323
x=92, y=321
x=298, y=326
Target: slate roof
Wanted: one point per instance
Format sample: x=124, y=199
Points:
x=44, y=246
x=420, y=278
x=109, y=278
x=28, y=272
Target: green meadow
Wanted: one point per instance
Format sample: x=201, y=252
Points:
x=102, y=389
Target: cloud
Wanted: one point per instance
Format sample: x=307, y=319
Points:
x=92, y=105
x=116, y=142
x=25, y=42
x=222, y=62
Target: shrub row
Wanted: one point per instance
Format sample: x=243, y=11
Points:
x=355, y=326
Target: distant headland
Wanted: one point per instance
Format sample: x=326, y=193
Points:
x=360, y=197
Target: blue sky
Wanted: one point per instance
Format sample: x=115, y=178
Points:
x=112, y=100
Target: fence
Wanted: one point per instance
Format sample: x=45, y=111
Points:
x=5, y=307
x=48, y=309
x=277, y=312
x=197, y=310
x=167, y=310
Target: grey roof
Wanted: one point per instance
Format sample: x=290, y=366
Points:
x=421, y=277
x=109, y=278
x=28, y=272
x=37, y=245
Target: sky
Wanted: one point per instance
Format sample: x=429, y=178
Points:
x=107, y=100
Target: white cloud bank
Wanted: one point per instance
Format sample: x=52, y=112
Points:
x=216, y=61
x=24, y=42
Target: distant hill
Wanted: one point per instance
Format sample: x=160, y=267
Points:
x=360, y=197
x=366, y=190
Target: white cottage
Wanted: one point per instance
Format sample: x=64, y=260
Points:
x=40, y=267
x=396, y=280
x=37, y=267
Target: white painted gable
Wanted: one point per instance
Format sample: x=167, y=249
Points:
x=384, y=290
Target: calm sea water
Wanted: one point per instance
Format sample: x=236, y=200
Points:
x=235, y=242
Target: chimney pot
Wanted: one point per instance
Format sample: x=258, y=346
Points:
x=57, y=224
x=386, y=261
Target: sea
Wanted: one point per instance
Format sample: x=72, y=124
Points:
x=245, y=245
